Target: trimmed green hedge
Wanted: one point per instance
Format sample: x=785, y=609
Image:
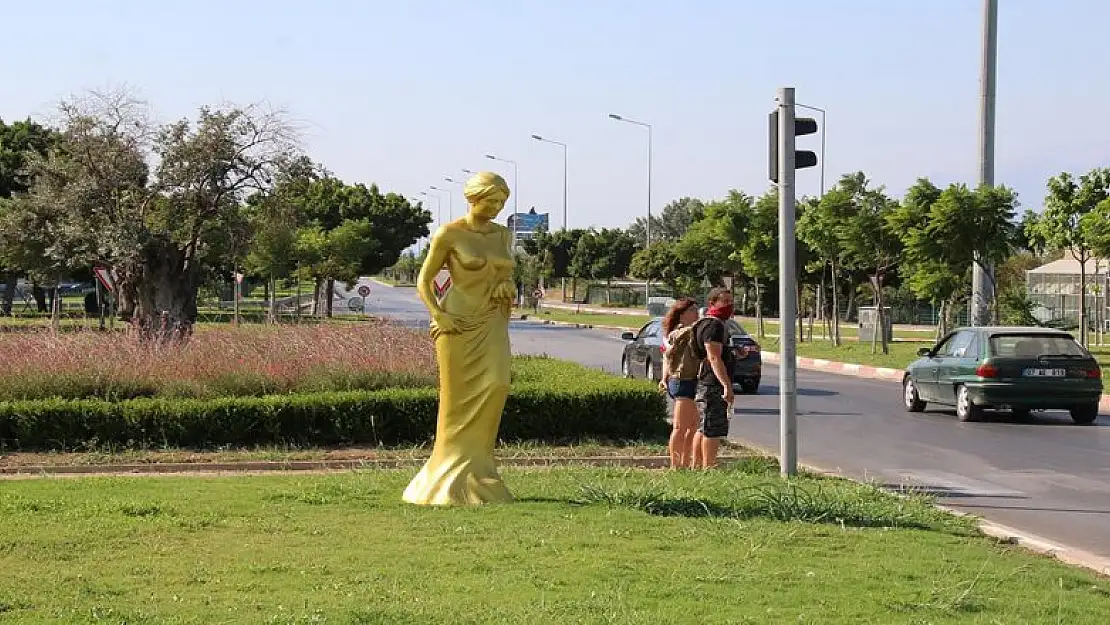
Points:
x=551, y=401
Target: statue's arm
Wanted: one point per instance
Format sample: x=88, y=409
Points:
x=437, y=257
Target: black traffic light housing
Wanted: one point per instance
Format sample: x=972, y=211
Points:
x=802, y=158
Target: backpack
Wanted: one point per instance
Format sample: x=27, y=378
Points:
x=697, y=348
x=681, y=362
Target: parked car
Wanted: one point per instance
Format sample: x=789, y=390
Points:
x=1005, y=368
x=643, y=355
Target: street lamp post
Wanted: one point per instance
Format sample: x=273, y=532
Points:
x=516, y=193
x=439, y=208
x=823, y=131
x=450, y=202
x=457, y=183
x=647, y=226
x=564, y=146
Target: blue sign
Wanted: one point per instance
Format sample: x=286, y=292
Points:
x=527, y=222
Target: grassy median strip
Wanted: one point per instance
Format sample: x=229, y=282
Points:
x=609, y=546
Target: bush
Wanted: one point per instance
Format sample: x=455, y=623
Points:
x=551, y=401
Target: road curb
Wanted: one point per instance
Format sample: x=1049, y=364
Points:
x=1003, y=533
x=867, y=372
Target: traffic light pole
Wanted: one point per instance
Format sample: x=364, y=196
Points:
x=788, y=391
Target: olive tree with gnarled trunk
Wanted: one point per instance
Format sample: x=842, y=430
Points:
x=159, y=203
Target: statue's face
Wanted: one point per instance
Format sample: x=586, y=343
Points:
x=489, y=206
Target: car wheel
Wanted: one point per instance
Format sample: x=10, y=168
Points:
x=1085, y=414
x=626, y=369
x=910, y=398
x=966, y=410
x=750, y=386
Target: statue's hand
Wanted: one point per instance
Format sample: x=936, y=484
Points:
x=504, y=291
x=445, y=323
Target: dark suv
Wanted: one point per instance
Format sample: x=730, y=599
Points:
x=643, y=355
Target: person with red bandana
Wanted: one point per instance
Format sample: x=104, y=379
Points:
x=714, y=395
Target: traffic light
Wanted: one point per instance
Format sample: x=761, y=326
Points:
x=802, y=158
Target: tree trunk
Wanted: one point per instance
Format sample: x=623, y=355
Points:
x=297, y=303
x=796, y=325
x=317, y=289
x=126, y=296
x=273, y=299
x=329, y=297
x=56, y=305
x=11, y=282
x=759, y=312
x=1082, y=256
x=834, y=327
x=166, y=294
x=39, y=296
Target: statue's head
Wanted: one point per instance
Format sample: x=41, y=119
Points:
x=486, y=192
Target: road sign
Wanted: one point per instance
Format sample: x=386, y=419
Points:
x=363, y=291
x=355, y=304
x=442, y=283
x=106, y=277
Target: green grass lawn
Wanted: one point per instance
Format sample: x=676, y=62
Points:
x=600, y=319
x=580, y=546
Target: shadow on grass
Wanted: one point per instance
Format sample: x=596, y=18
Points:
x=819, y=502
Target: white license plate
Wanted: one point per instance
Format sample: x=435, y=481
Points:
x=1045, y=373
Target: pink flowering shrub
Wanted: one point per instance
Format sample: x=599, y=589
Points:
x=216, y=362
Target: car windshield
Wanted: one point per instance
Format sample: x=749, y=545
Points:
x=1036, y=346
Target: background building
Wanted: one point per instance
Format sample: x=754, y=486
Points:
x=1054, y=289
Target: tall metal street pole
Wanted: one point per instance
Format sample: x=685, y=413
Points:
x=516, y=193
x=788, y=391
x=982, y=276
x=439, y=209
x=647, y=225
x=450, y=202
x=564, y=146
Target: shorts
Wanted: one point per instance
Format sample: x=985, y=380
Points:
x=682, y=389
x=714, y=411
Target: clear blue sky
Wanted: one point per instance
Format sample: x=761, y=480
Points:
x=403, y=93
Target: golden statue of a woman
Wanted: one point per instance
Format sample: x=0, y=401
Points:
x=471, y=331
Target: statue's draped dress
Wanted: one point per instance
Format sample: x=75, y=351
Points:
x=473, y=372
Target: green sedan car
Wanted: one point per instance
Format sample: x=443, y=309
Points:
x=996, y=368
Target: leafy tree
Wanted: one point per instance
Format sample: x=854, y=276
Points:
x=819, y=228
x=705, y=251
x=555, y=251
x=868, y=242
x=677, y=217
x=959, y=228
x=614, y=257
x=757, y=236
x=1070, y=221
x=660, y=263
x=19, y=142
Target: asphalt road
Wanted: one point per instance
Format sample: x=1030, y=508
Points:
x=1049, y=478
